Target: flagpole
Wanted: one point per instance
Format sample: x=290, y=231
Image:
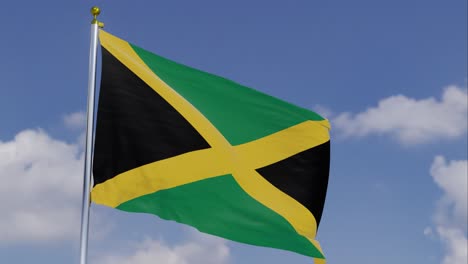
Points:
x=95, y=11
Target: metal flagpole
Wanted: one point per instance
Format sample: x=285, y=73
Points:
x=95, y=11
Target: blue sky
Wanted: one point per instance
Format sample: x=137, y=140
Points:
x=390, y=75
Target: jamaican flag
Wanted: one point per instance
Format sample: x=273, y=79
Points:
x=202, y=150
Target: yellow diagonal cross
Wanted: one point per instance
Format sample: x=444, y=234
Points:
x=222, y=158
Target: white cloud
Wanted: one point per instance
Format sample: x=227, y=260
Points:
x=75, y=120
x=201, y=249
x=451, y=212
x=41, y=187
x=410, y=120
x=452, y=178
x=456, y=244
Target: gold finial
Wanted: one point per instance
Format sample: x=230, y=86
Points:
x=95, y=11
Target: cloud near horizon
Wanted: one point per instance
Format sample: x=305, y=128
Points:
x=42, y=181
x=409, y=120
x=450, y=216
x=199, y=249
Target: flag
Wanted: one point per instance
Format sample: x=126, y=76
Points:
x=202, y=150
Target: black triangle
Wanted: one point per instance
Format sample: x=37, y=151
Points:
x=135, y=125
x=303, y=176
